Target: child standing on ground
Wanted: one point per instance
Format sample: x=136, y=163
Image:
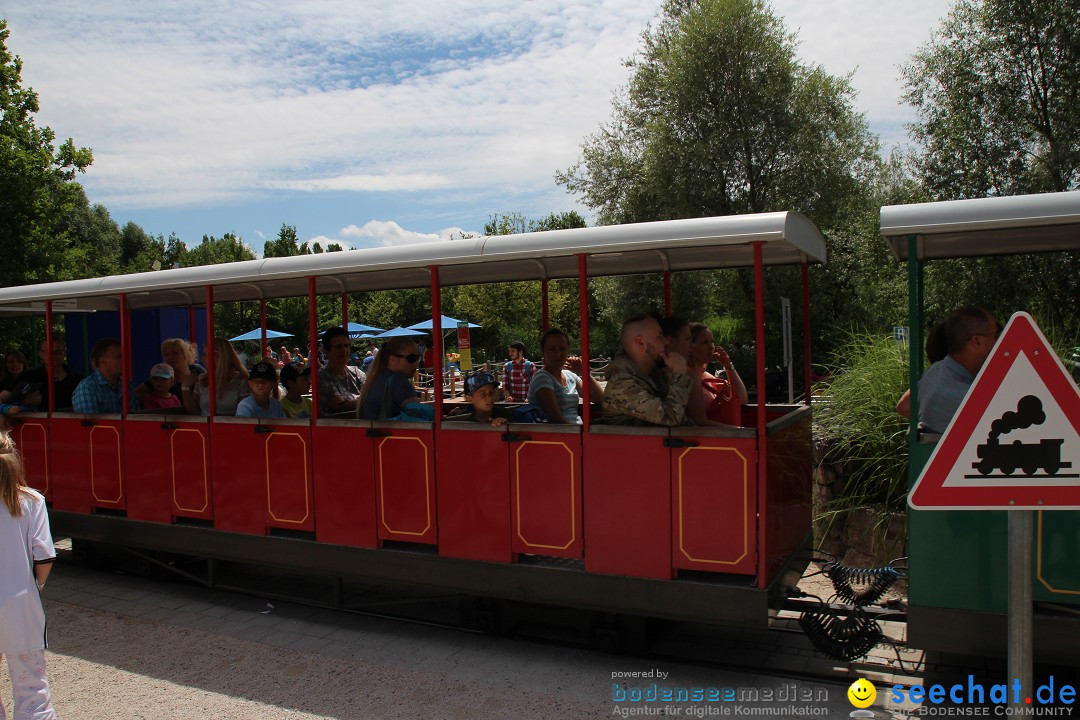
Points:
x=161, y=379
x=297, y=383
x=26, y=556
x=261, y=403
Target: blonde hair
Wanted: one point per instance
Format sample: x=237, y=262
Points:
x=226, y=362
x=12, y=478
x=381, y=364
x=187, y=348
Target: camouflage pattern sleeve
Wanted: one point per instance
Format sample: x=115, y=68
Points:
x=629, y=398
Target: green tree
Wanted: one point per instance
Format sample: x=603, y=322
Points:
x=997, y=96
x=720, y=117
x=35, y=181
x=213, y=250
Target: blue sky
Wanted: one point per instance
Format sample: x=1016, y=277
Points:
x=373, y=123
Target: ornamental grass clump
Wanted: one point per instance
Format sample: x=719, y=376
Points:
x=858, y=430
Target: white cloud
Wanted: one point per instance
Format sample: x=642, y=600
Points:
x=388, y=232
x=209, y=103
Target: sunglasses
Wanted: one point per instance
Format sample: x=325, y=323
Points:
x=411, y=357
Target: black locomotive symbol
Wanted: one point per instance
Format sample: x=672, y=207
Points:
x=1029, y=457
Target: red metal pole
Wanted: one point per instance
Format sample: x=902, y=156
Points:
x=583, y=308
x=544, y=304
x=436, y=341
x=262, y=324
x=806, y=328
x=667, y=293
x=211, y=360
x=762, y=495
x=49, y=374
x=313, y=348
x=125, y=355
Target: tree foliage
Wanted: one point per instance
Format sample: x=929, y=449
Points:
x=720, y=117
x=997, y=96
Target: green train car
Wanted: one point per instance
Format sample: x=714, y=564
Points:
x=958, y=592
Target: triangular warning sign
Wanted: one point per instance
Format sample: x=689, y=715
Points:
x=1014, y=443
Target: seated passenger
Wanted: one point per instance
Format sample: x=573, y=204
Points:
x=647, y=385
x=261, y=403
x=297, y=383
x=481, y=392
x=389, y=386
x=230, y=381
x=936, y=349
x=555, y=388
x=970, y=334
x=24, y=398
x=178, y=354
x=65, y=380
x=722, y=398
x=340, y=384
x=100, y=391
x=161, y=379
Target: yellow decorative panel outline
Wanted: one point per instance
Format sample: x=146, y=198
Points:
x=427, y=486
x=172, y=456
x=1039, y=562
x=119, y=466
x=45, y=443
x=745, y=500
x=517, y=495
x=303, y=454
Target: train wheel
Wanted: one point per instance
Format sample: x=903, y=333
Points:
x=985, y=467
x=1008, y=469
x=1030, y=469
x=1052, y=468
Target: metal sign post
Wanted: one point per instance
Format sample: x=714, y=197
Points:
x=1021, y=621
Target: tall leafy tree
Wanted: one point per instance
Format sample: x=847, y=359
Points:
x=36, y=188
x=720, y=117
x=997, y=96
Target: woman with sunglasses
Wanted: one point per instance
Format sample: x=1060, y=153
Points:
x=389, y=382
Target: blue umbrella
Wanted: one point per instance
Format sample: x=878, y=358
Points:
x=448, y=323
x=356, y=328
x=400, y=332
x=256, y=334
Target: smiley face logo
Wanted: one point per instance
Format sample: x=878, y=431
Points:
x=862, y=693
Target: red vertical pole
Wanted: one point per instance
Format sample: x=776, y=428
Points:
x=345, y=310
x=806, y=329
x=436, y=341
x=583, y=308
x=49, y=374
x=262, y=324
x=762, y=495
x=667, y=293
x=544, y=304
x=211, y=359
x=125, y=356
x=313, y=347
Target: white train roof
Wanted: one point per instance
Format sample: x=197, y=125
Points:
x=984, y=226
x=692, y=244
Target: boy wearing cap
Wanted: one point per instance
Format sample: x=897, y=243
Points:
x=296, y=383
x=261, y=403
x=481, y=391
x=161, y=377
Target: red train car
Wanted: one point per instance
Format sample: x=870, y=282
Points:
x=682, y=523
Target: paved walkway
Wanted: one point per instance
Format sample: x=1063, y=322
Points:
x=124, y=646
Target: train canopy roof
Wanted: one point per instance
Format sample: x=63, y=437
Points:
x=693, y=244
x=985, y=226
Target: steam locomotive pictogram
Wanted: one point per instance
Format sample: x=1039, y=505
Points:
x=1028, y=457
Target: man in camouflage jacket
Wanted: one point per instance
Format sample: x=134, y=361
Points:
x=646, y=384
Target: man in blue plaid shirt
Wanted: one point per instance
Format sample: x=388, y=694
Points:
x=100, y=392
